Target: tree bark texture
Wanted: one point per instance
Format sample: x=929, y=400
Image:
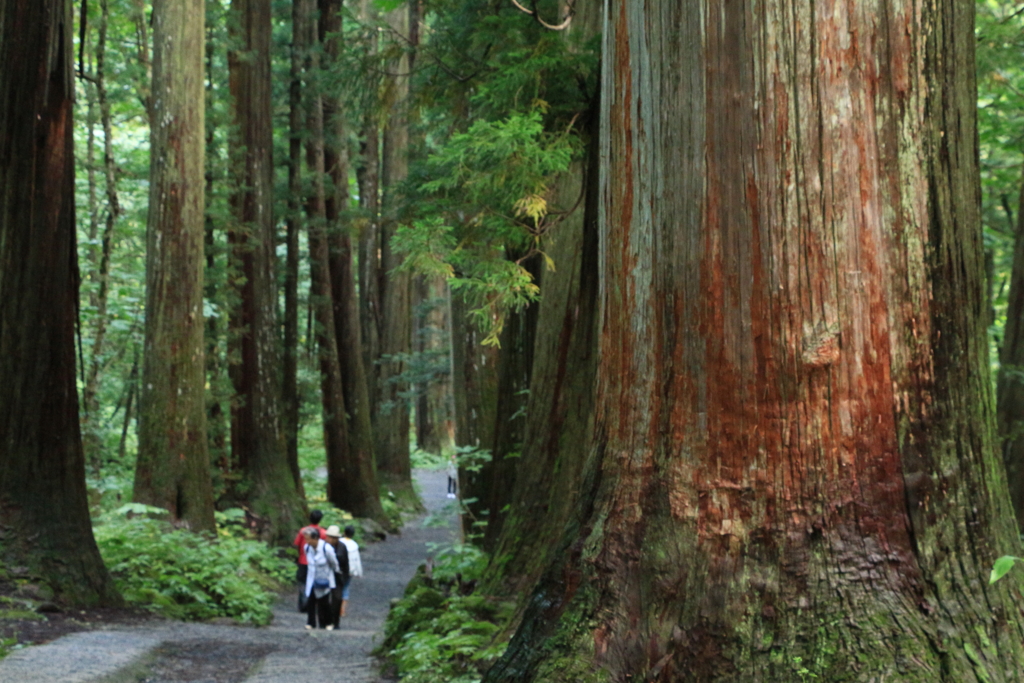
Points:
x=561, y=400
x=42, y=466
x=344, y=297
x=1010, y=386
x=435, y=423
x=475, y=396
x=391, y=412
x=173, y=469
x=290, y=361
x=515, y=367
x=794, y=472
x=257, y=439
x=351, y=485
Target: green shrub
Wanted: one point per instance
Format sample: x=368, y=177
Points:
x=185, y=575
x=440, y=631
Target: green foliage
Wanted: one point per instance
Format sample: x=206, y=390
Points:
x=442, y=631
x=1003, y=565
x=485, y=212
x=189, y=576
x=1000, y=68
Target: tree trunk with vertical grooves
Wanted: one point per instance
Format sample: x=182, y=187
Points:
x=349, y=485
x=560, y=405
x=290, y=389
x=344, y=298
x=42, y=471
x=435, y=425
x=475, y=396
x=368, y=176
x=1010, y=389
x=257, y=440
x=217, y=427
x=391, y=412
x=793, y=466
x=173, y=469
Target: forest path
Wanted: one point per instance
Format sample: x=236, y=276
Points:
x=284, y=652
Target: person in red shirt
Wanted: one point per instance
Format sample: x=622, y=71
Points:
x=300, y=572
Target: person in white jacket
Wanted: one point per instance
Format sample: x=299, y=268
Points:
x=323, y=562
x=355, y=564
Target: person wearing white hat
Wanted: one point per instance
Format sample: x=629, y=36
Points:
x=341, y=576
x=355, y=564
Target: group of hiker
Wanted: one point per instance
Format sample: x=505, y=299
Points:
x=327, y=562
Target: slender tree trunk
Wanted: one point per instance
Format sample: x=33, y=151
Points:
x=435, y=426
x=391, y=412
x=351, y=484
x=42, y=468
x=368, y=175
x=1010, y=388
x=290, y=389
x=173, y=469
x=344, y=297
x=217, y=427
x=257, y=441
x=90, y=396
x=793, y=470
x=475, y=396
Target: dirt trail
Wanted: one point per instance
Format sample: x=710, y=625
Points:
x=284, y=652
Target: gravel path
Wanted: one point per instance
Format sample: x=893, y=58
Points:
x=284, y=652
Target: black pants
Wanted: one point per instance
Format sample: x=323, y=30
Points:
x=319, y=608
x=452, y=485
x=300, y=579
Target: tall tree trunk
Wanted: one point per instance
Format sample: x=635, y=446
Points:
x=257, y=441
x=344, y=297
x=42, y=468
x=793, y=469
x=290, y=388
x=351, y=485
x=475, y=396
x=90, y=393
x=217, y=427
x=391, y=412
x=368, y=175
x=435, y=426
x=561, y=401
x=173, y=469
x=1010, y=387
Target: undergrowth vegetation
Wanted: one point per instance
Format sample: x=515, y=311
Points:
x=185, y=575
x=443, y=630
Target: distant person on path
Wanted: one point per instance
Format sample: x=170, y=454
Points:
x=453, y=476
x=342, y=576
x=300, y=572
x=355, y=564
x=322, y=563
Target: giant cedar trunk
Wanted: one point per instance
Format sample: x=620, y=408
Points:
x=391, y=411
x=344, y=297
x=42, y=468
x=1010, y=390
x=257, y=439
x=290, y=361
x=794, y=470
x=173, y=470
